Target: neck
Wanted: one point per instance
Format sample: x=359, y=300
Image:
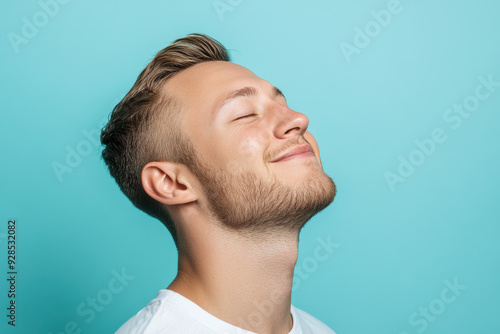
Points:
x=244, y=281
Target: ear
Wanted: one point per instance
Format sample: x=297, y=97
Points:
x=309, y=138
x=167, y=183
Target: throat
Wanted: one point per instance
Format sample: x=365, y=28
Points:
x=241, y=277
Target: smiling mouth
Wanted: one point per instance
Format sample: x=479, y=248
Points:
x=304, y=151
x=297, y=156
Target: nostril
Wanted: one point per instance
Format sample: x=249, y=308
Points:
x=298, y=128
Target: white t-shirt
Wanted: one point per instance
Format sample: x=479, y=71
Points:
x=173, y=313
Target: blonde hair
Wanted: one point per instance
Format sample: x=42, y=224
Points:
x=144, y=125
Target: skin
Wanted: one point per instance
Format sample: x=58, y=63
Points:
x=237, y=214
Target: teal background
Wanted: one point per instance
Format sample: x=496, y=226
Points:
x=395, y=247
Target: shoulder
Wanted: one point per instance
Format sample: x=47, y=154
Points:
x=158, y=314
x=310, y=324
x=172, y=313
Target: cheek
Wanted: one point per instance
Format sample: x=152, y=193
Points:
x=245, y=149
x=251, y=146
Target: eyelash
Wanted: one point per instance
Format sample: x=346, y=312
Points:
x=245, y=116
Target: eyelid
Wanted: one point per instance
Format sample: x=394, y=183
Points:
x=244, y=116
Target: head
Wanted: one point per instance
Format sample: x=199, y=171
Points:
x=198, y=129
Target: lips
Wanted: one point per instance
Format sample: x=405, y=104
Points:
x=295, y=151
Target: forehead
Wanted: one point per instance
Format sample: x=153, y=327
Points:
x=202, y=86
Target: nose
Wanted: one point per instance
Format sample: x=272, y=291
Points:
x=291, y=123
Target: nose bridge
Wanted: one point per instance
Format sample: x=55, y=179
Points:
x=289, y=121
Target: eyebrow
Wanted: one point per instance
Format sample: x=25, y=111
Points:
x=245, y=92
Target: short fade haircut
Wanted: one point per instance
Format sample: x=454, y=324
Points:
x=145, y=125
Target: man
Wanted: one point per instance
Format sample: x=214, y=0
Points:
x=215, y=153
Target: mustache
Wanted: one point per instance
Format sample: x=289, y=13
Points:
x=298, y=141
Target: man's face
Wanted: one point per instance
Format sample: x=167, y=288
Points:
x=236, y=146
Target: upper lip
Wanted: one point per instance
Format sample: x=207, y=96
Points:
x=294, y=151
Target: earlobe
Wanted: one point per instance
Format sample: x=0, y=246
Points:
x=164, y=182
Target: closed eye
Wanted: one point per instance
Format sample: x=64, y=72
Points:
x=249, y=115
